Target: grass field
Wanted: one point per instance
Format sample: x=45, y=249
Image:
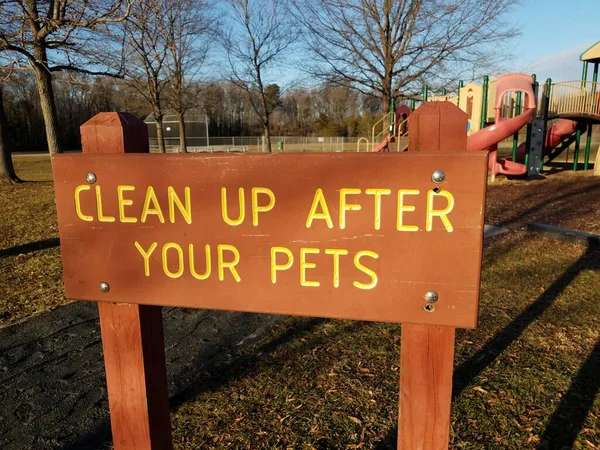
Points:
x=527, y=378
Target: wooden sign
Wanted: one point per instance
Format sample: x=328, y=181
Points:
x=354, y=236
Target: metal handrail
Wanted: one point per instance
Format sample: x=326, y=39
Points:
x=359, y=141
x=385, y=129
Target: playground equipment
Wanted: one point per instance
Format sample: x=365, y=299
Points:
x=391, y=128
x=488, y=137
x=480, y=137
x=556, y=117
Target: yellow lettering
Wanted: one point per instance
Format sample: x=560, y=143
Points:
x=441, y=213
x=123, y=202
x=256, y=208
x=336, y=252
x=378, y=193
x=186, y=211
x=306, y=265
x=319, y=200
x=242, y=205
x=78, y=189
x=274, y=266
x=206, y=273
x=101, y=216
x=365, y=270
x=146, y=255
x=347, y=206
x=168, y=246
x=146, y=210
x=222, y=264
x=402, y=208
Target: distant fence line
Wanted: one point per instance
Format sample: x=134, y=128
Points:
x=258, y=144
x=292, y=143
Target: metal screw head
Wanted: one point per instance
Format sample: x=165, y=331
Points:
x=431, y=296
x=91, y=178
x=439, y=176
x=104, y=287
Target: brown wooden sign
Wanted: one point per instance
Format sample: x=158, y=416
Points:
x=355, y=236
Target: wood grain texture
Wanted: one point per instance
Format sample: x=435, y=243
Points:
x=426, y=363
x=134, y=358
x=132, y=334
x=427, y=352
x=408, y=262
x=437, y=127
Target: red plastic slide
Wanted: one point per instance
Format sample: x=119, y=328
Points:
x=488, y=138
x=381, y=145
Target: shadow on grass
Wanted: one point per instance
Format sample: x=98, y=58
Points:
x=570, y=415
x=567, y=421
x=30, y=247
x=466, y=372
x=559, y=213
x=209, y=375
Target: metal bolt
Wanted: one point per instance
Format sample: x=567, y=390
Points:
x=439, y=176
x=431, y=296
x=104, y=287
x=91, y=178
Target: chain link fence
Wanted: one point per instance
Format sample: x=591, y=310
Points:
x=258, y=144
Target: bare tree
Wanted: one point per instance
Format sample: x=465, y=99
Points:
x=384, y=47
x=146, y=53
x=261, y=34
x=52, y=36
x=190, y=24
x=7, y=169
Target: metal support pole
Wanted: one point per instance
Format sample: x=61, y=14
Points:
x=593, y=96
x=425, y=93
x=546, y=106
x=392, y=117
x=484, y=101
x=516, y=135
x=460, y=86
x=206, y=122
x=584, y=75
x=588, y=146
x=576, y=151
x=530, y=126
x=412, y=104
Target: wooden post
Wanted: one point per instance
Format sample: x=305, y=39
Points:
x=132, y=335
x=427, y=351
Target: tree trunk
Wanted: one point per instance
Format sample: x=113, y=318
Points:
x=267, y=134
x=159, y=133
x=43, y=79
x=182, y=143
x=387, y=94
x=7, y=170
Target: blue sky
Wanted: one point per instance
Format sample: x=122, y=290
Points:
x=553, y=36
